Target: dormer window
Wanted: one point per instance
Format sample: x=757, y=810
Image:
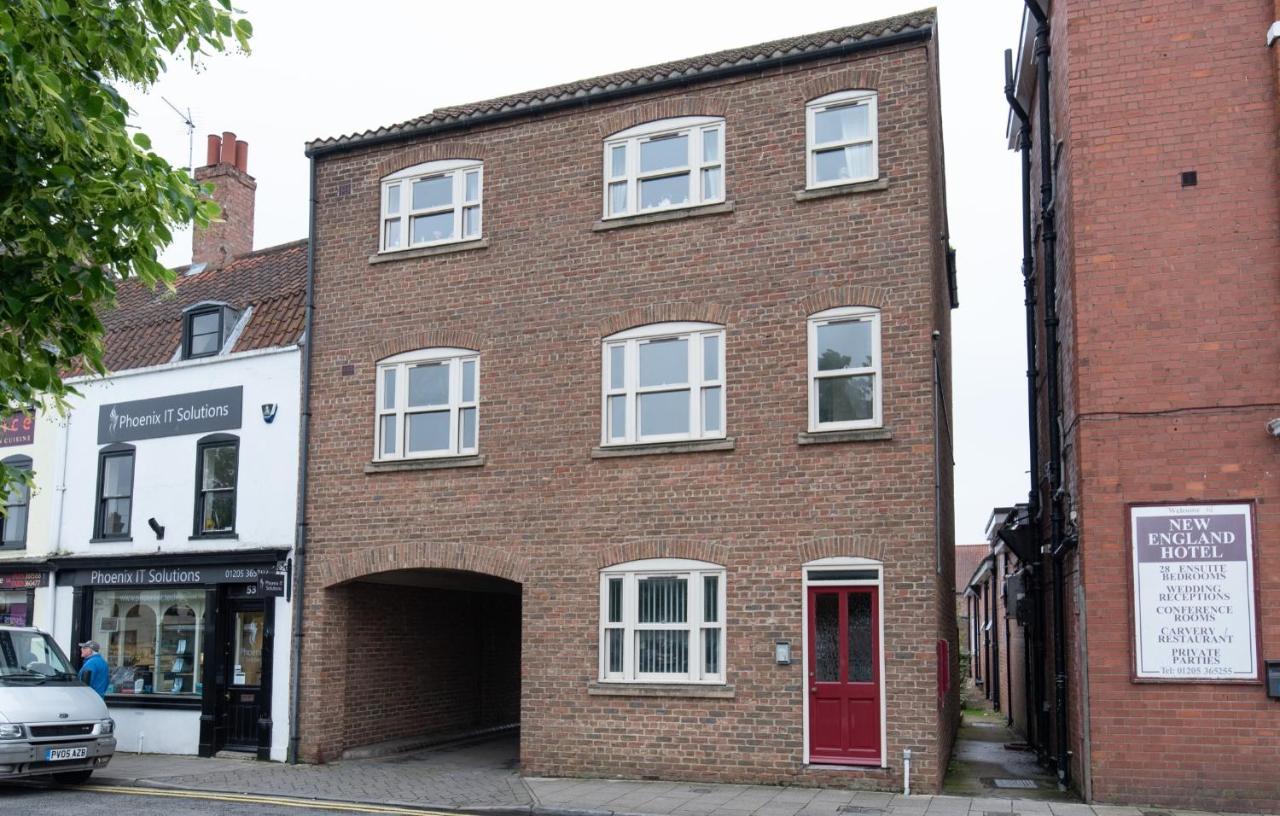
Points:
x=206, y=328
x=437, y=202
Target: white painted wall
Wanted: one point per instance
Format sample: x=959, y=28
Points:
x=43, y=452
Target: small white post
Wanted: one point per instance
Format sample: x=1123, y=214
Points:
x=906, y=771
x=139, y=742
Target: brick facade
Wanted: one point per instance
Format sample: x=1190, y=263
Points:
x=540, y=511
x=1169, y=298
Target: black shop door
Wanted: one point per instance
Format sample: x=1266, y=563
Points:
x=243, y=696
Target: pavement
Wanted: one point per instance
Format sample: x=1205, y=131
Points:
x=483, y=778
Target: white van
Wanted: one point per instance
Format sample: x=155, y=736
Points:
x=50, y=722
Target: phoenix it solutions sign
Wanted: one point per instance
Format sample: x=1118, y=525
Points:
x=176, y=415
x=1193, y=592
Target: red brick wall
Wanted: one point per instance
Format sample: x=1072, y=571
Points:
x=537, y=302
x=232, y=233
x=1170, y=301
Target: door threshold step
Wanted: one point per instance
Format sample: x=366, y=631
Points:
x=231, y=753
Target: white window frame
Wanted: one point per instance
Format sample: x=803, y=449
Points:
x=631, y=341
x=454, y=358
x=696, y=165
x=397, y=193
x=844, y=314
x=631, y=573
x=840, y=99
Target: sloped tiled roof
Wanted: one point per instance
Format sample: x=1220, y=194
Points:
x=968, y=557
x=639, y=78
x=145, y=327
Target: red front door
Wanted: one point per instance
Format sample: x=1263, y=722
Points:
x=844, y=675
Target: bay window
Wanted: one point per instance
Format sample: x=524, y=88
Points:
x=664, y=165
x=662, y=620
x=844, y=369
x=437, y=202
x=664, y=382
x=842, y=143
x=428, y=404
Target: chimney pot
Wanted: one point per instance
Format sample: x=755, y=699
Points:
x=242, y=155
x=213, y=150
x=228, y=148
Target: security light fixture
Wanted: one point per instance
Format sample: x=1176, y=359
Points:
x=156, y=527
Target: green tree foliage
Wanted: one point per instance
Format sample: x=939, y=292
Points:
x=83, y=204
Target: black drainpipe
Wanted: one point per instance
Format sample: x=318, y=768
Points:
x=1057, y=547
x=304, y=437
x=1033, y=627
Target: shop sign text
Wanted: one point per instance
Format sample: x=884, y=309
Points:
x=176, y=415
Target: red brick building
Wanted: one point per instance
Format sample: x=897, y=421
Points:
x=623, y=393
x=1153, y=250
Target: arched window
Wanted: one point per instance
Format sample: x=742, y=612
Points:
x=217, y=470
x=663, y=165
x=663, y=382
x=428, y=404
x=844, y=369
x=842, y=141
x=16, y=506
x=662, y=621
x=438, y=202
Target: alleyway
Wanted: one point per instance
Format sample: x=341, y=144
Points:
x=987, y=763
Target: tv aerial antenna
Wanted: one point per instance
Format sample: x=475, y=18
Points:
x=191, y=133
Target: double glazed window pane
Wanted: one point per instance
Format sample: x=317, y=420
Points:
x=205, y=333
x=428, y=432
x=219, y=467
x=664, y=413
x=850, y=162
x=664, y=153
x=217, y=488
x=117, y=489
x=436, y=227
x=430, y=193
x=428, y=408
x=846, y=344
x=664, y=362
x=664, y=651
x=846, y=399
x=667, y=191
x=663, y=600
x=843, y=124
x=429, y=385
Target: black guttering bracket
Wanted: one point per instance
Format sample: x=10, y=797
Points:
x=922, y=34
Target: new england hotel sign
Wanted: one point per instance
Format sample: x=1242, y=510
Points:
x=174, y=415
x=1194, y=604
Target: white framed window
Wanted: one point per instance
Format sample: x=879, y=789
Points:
x=842, y=142
x=428, y=404
x=663, y=382
x=434, y=203
x=664, y=165
x=844, y=369
x=662, y=621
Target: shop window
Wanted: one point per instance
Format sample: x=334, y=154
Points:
x=151, y=639
x=217, y=465
x=662, y=620
x=15, y=607
x=115, y=492
x=16, y=507
x=428, y=404
x=663, y=382
x=844, y=369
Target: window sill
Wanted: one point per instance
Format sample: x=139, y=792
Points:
x=857, y=435
x=441, y=463
x=661, y=690
x=208, y=536
x=427, y=252
x=666, y=215
x=111, y=540
x=872, y=186
x=653, y=448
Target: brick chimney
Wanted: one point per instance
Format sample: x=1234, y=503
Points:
x=233, y=188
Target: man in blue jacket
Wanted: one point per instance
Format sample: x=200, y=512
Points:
x=94, y=669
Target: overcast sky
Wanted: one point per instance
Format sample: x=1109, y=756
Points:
x=324, y=68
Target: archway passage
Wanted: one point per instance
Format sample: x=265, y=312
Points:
x=432, y=655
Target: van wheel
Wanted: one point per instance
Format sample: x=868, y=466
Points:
x=72, y=777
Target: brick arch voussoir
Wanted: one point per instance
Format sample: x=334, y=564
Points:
x=662, y=547
x=670, y=108
x=428, y=338
x=849, y=79
x=843, y=546
x=336, y=570
x=674, y=311
x=853, y=295
x=435, y=151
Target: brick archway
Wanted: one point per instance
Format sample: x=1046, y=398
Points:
x=331, y=572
